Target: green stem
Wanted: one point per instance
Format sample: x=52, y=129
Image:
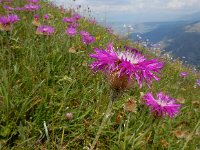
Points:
x=113, y=96
x=126, y=130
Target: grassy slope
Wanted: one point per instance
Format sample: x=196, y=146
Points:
x=41, y=81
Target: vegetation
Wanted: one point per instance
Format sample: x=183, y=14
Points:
x=50, y=98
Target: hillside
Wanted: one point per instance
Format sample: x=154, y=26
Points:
x=63, y=86
x=185, y=43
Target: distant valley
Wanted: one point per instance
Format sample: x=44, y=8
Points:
x=181, y=38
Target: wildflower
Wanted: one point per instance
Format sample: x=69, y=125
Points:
x=93, y=21
x=33, y=1
x=36, y=20
x=163, y=105
x=122, y=66
x=183, y=74
x=76, y=16
x=68, y=20
x=8, y=8
x=31, y=7
x=84, y=33
x=88, y=39
x=7, y=21
x=46, y=17
x=133, y=50
x=71, y=31
x=19, y=8
x=109, y=30
x=198, y=82
x=73, y=25
x=45, y=30
x=6, y=1
x=36, y=17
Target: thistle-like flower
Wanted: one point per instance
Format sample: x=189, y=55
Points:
x=45, y=30
x=76, y=16
x=36, y=22
x=8, y=8
x=33, y=1
x=87, y=38
x=71, y=31
x=162, y=106
x=69, y=20
x=46, y=16
x=183, y=74
x=198, y=82
x=7, y=21
x=123, y=66
x=31, y=7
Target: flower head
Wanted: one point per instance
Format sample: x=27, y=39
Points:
x=68, y=20
x=162, y=106
x=87, y=38
x=19, y=8
x=198, y=82
x=9, y=19
x=183, y=74
x=8, y=8
x=46, y=17
x=33, y=1
x=45, y=30
x=31, y=7
x=76, y=16
x=71, y=31
x=125, y=65
x=109, y=30
x=36, y=17
x=73, y=25
x=84, y=33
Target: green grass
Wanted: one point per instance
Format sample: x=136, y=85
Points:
x=40, y=80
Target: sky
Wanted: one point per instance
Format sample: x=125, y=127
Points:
x=136, y=10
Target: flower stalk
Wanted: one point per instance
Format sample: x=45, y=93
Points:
x=114, y=94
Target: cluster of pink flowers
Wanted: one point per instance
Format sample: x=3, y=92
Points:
x=121, y=67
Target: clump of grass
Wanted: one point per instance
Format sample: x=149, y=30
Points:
x=45, y=77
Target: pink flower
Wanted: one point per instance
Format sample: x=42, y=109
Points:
x=8, y=8
x=33, y=1
x=76, y=16
x=9, y=19
x=71, y=31
x=68, y=20
x=162, y=106
x=36, y=17
x=31, y=7
x=45, y=30
x=87, y=38
x=46, y=17
x=183, y=74
x=198, y=82
x=127, y=64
